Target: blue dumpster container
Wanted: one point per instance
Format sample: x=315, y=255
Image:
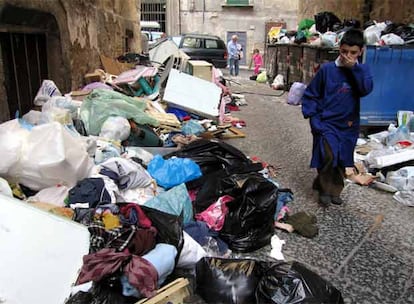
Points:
x=392, y=68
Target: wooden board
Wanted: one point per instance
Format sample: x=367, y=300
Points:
x=173, y=293
x=233, y=133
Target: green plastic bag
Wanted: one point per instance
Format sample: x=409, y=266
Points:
x=262, y=77
x=101, y=104
x=305, y=24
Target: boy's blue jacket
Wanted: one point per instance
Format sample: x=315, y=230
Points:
x=331, y=101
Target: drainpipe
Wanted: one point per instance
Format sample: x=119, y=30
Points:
x=179, y=17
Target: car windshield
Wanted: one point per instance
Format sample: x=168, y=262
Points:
x=176, y=40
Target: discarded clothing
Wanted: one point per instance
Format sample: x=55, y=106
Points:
x=121, y=238
x=162, y=257
x=140, y=273
x=132, y=214
x=201, y=234
x=143, y=241
x=126, y=173
x=91, y=191
x=304, y=224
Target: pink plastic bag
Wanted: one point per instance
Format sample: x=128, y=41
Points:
x=215, y=214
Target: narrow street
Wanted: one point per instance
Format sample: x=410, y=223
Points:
x=365, y=246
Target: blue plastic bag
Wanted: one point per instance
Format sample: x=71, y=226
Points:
x=174, y=201
x=174, y=171
x=192, y=127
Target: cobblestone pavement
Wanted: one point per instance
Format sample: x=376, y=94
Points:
x=364, y=247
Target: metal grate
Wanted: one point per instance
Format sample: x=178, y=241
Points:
x=25, y=66
x=154, y=10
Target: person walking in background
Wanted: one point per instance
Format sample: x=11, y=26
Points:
x=257, y=61
x=234, y=50
x=332, y=103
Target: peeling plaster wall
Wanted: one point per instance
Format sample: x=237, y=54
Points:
x=86, y=29
x=213, y=17
x=99, y=27
x=394, y=10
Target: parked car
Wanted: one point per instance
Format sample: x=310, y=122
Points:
x=203, y=47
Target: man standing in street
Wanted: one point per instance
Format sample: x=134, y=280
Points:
x=234, y=50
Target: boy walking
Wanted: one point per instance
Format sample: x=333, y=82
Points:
x=332, y=103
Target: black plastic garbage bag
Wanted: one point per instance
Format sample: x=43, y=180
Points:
x=217, y=161
x=226, y=281
x=291, y=283
x=108, y=291
x=169, y=227
x=249, y=281
x=327, y=21
x=211, y=155
x=249, y=224
x=404, y=31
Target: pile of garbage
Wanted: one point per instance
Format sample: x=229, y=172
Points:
x=136, y=159
x=326, y=30
x=385, y=160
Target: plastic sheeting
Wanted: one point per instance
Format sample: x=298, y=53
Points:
x=175, y=201
x=101, y=104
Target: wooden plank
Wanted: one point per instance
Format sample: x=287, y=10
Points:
x=173, y=293
x=233, y=133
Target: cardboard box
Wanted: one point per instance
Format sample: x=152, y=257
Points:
x=201, y=69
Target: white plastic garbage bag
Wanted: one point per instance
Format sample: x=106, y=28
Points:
x=115, y=128
x=5, y=188
x=372, y=34
x=392, y=39
x=43, y=157
x=191, y=253
x=295, y=93
x=12, y=137
x=278, y=82
x=46, y=90
x=402, y=179
x=53, y=195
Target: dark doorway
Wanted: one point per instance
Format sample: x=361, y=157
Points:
x=25, y=66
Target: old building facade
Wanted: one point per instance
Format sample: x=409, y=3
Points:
x=59, y=40
x=249, y=19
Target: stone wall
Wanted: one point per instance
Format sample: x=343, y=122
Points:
x=363, y=10
x=84, y=30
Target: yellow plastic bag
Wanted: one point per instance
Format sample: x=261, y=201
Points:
x=262, y=77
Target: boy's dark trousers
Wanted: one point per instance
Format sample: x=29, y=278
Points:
x=330, y=180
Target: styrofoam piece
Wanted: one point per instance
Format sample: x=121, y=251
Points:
x=392, y=159
x=41, y=254
x=193, y=94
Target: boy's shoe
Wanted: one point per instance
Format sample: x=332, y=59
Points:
x=325, y=200
x=336, y=200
